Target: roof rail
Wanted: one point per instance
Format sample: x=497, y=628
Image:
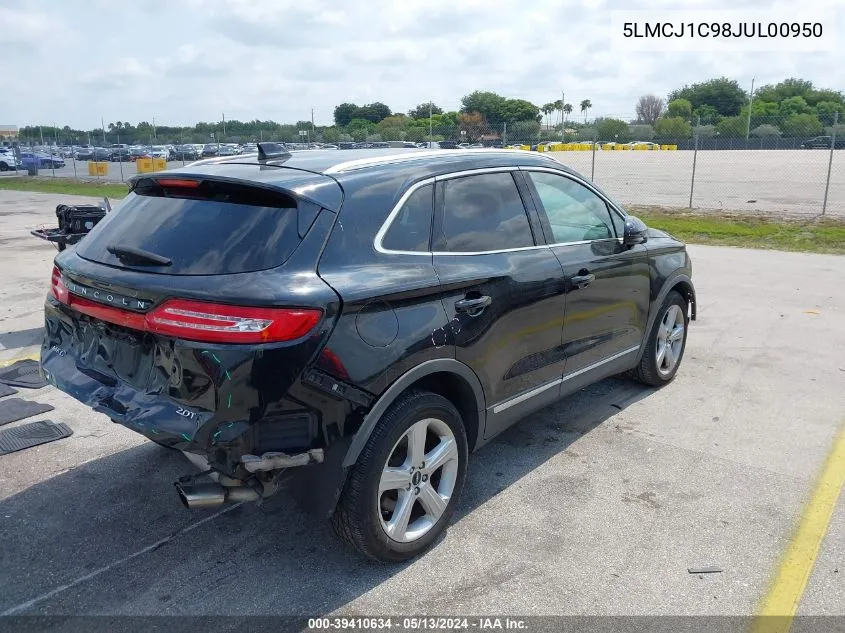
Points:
x=402, y=157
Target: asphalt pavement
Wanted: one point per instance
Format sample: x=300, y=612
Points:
x=597, y=505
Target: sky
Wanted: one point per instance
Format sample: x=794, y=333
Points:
x=73, y=62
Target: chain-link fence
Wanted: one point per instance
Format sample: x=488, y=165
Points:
x=786, y=165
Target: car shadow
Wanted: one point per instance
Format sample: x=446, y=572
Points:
x=111, y=537
x=21, y=338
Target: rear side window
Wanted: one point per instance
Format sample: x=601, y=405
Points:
x=411, y=228
x=484, y=213
x=220, y=230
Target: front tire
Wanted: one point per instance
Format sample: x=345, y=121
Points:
x=403, y=489
x=666, y=343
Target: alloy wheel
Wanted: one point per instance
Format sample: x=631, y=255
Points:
x=418, y=480
x=670, y=340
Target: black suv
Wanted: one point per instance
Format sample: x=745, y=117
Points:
x=823, y=142
x=356, y=324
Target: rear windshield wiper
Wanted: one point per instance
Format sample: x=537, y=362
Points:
x=130, y=255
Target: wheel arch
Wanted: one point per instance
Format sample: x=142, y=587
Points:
x=680, y=283
x=446, y=376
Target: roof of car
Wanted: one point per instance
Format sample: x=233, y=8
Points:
x=337, y=163
x=315, y=174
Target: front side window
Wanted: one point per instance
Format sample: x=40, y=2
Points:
x=575, y=213
x=484, y=213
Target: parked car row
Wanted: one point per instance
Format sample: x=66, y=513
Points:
x=8, y=160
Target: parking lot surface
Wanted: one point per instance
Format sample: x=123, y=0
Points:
x=597, y=505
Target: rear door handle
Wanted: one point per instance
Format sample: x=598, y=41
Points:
x=582, y=281
x=476, y=304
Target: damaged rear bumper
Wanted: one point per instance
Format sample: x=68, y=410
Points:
x=228, y=404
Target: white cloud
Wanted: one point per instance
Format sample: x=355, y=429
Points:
x=181, y=62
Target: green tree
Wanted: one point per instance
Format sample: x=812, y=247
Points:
x=360, y=128
x=816, y=97
x=707, y=114
x=793, y=105
x=586, y=104
x=765, y=130
x=723, y=94
x=705, y=131
x=422, y=111
x=791, y=87
x=679, y=108
x=496, y=109
x=674, y=128
x=523, y=131
x=613, y=130
x=641, y=132
x=416, y=134
x=762, y=112
x=344, y=113
x=732, y=127
x=330, y=134
x=590, y=134
x=547, y=109
x=514, y=110
x=802, y=125
x=373, y=112
x=488, y=104
x=826, y=110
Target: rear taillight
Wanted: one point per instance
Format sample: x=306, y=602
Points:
x=57, y=286
x=201, y=321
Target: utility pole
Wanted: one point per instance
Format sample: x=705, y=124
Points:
x=103, y=127
x=429, y=124
x=312, y=120
x=748, y=121
x=155, y=136
x=830, y=159
x=224, y=126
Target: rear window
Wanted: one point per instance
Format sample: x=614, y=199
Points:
x=229, y=229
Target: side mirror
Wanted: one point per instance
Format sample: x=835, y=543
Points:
x=636, y=232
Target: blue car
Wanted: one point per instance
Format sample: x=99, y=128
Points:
x=42, y=161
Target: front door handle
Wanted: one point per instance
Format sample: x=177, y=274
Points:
x=584, y=280
x=474, y=305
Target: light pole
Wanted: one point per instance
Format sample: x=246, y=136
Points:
x=750, y=103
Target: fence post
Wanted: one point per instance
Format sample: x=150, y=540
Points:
x=593, y=169
x=694, y=158
x=504, y=134
x=830, y=159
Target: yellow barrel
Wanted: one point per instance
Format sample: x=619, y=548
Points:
x=144, y=165
x=159, y=164
x=96, y=168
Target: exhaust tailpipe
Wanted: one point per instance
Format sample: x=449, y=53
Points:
x=211, y=494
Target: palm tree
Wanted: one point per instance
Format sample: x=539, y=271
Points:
x=567, y=110
x=559, y=107
x=547, y=109
x=585, y=105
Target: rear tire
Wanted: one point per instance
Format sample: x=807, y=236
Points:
x=404, y=487
x=665, y=345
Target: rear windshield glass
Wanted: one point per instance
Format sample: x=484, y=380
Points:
x=198, y=236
